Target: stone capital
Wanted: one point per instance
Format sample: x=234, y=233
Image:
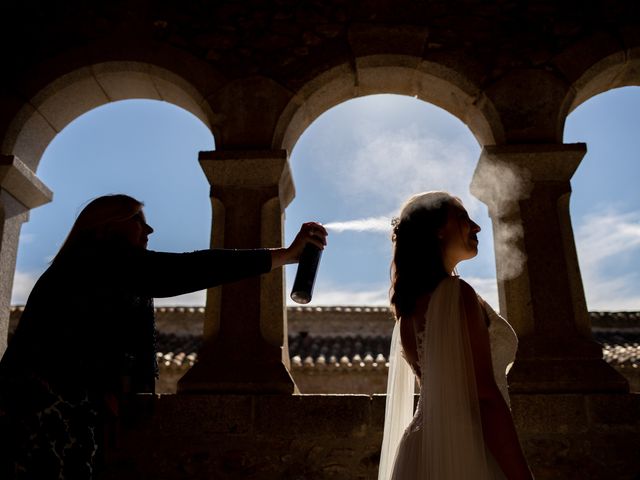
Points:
x=251, y=169
x=21, y=183
x=507, y=174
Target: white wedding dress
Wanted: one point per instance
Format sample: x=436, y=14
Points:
x=442, y=439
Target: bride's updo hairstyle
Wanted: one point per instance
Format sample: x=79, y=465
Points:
x=417, y=266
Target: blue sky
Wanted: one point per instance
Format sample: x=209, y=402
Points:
x=353, y=167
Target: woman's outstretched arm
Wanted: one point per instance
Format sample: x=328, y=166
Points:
x=161, y=274
x=497, y=424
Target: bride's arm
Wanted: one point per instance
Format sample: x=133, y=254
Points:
x=497, y=424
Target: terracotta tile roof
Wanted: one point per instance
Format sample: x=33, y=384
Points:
x=619, y=334
x=329, y=337
x=339, y=351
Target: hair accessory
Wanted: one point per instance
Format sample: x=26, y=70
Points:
x=395, y=223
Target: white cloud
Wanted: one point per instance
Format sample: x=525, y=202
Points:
x=322, y=296
x=329, y=294
x=354, y=295
x=607, y=234
x=612, y=294
x=390, y=166
x=23, y=283
x=487, y=288
x=604, y=238
x=194, y=299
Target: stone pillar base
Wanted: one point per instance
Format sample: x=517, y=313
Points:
x=587, y=375
x=221, y=370
x=563, y=365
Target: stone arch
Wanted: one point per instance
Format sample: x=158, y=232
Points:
x=608, y=65
x=70, y=95
x=52, y=97
x=432, y=82
x=611, y=65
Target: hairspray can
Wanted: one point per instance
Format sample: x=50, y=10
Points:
x=306, y=274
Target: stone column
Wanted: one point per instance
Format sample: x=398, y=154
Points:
x=245, y=337
x=20, y=191
x=527, y=190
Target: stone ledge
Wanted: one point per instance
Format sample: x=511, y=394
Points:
x=575, y=413
x=339, y=436
x=253, y=436
x=592, y=436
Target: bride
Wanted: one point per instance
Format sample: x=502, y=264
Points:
x=456, y=346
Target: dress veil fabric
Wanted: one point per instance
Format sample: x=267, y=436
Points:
x=399, y=406
x=444, y=439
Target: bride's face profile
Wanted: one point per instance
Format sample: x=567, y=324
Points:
x=459, y=236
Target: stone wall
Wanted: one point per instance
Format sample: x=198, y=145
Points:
x=560, y=444
x=314, y=437
x=254, y=437
x=345, y=379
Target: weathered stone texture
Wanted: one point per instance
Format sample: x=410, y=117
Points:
x=339, y=436
x=580, y=436
x=257, y=437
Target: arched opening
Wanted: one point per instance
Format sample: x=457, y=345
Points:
x=74, y=93
x=359, y=154
x=353, y=168
x=619, y=69
x=605, y=200
x=435, y=83
x=329, y=102
x=145, y=148
x=604, y=209
x=77, y=94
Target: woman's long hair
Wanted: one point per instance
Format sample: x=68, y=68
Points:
x=95, y=221
x=417, y=266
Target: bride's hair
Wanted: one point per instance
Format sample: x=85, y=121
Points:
x=417, y=266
